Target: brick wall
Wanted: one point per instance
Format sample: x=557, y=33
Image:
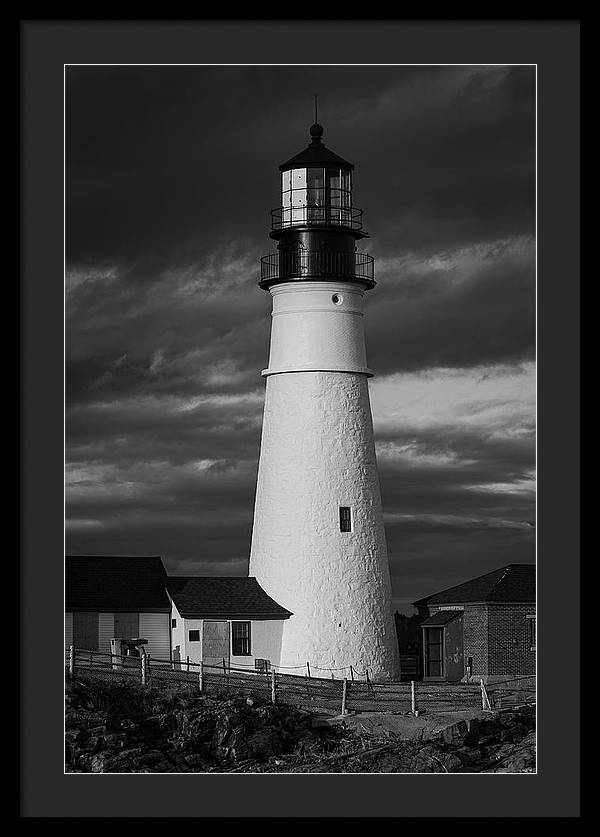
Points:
x=497, y=637
x=476, y=639
x=510, y=649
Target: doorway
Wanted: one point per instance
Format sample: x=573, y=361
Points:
x=434, y=657
x=215, y=643
x=85, y=631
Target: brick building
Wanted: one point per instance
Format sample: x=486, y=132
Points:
x=484, y=628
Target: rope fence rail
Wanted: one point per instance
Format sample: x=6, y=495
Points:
x=338, y=695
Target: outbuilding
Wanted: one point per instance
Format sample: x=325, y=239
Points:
x=117, y=597
x=484, y=628
x=225, y=618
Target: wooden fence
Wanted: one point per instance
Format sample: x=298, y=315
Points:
x=339, y=696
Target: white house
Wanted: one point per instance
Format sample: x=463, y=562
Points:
x=122, y=596
x=231, y=619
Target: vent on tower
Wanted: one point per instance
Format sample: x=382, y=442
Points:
x=345, y=519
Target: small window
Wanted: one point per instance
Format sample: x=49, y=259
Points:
x=194, y=636
x=240, y=639
x=173, y=623
x=345, y=519
x=532, y=630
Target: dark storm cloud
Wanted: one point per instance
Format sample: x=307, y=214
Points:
x=165, y=163
x=171, y=172
x=469, y=308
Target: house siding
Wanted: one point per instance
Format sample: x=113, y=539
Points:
x=265, y=640
x=178, y=634
x=68, y=630
x=155, y=628
x=106, y=631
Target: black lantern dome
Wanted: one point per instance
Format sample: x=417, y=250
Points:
x=316, y=225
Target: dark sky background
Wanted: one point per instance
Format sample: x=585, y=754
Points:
x=170, y=176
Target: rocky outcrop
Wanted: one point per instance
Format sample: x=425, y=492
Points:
x=122, y=728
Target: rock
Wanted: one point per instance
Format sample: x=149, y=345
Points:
x=99, y=763
x=455, y=733
x=194, y=760
x=265, y=743
x=114, y=741
x=150, y=757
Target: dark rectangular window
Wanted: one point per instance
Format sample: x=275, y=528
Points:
x=240, y=639
x=127, y=625
x=173, y=623
x=531, y=620
x=345, y=519
x=194, y=636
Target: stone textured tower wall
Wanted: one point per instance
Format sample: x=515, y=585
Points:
x=317, y=454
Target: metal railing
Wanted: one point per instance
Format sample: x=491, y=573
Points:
x=316, y=216
x=317, y=264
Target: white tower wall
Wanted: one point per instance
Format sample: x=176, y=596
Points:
x=317, y=454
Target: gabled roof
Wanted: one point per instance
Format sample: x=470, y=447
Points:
x=128, y=584
x=204, y=597
x=512, y=583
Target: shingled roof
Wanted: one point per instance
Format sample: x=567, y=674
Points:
x=209, y=597
x=512, y=583
x=123, y=584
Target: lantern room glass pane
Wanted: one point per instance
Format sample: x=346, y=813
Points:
x=286, y=198
x=298, y=182
x=316, y=195
x=334, y=195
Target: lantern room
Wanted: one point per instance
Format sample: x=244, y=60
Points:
x=316, y=189
x=316, y=195
x=316, y=225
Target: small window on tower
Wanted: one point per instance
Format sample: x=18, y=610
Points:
x=345, y=519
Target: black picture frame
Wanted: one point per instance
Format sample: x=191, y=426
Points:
x=46, y=47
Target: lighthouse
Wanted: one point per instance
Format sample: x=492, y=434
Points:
x=318, y=540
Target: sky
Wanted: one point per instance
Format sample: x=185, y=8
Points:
x=171, y=173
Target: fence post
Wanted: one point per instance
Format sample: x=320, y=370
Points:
x=413, y=698
x=225, y=678
x=147, y=668
x=308, y=669
x=352, y=673
x=273, y=687
x=188, y=664
x=72, y=660
x=485, y=703
x=143, y=667
x=200, y=676
x=344, y=696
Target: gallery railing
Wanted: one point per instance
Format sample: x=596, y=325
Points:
x=317, y=264
x=319, y=216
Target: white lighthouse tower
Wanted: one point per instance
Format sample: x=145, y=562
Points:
x=318, y=541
